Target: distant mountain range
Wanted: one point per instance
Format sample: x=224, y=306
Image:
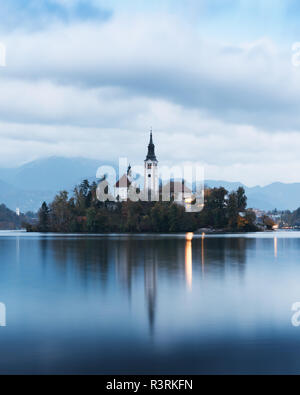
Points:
x=29, y=185
x=274, y=196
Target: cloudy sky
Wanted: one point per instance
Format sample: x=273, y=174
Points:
x=214, y=78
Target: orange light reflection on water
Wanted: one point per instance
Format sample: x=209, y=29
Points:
x=189, y=260
x=275, y=247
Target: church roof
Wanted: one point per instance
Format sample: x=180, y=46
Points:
x=176, y=187
x=151, y=150
x=123, y=182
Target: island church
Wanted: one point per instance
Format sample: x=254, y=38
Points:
x=151, y=176
x=152, y=186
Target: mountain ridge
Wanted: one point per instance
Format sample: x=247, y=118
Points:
x=27, y=186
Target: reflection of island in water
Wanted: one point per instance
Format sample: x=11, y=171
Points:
x=151, y=292
x=124, y=260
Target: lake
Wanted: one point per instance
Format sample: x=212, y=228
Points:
x=149, y=304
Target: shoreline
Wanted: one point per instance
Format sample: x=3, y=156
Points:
x=197, y=233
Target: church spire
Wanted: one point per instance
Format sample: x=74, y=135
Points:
x=151, y=149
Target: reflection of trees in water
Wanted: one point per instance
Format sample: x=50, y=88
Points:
x=44, y=252
x=276, y=247
x=85, y=259
x=88, y=259
x=237, y=253
x=150, y=292
x=222, y=255
x=131, y=254
x=124, y=261
x=121, y=259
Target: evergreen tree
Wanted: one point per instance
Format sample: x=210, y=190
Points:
x=62, y=213
x=233, y=210
x=84, y=213
x=241, y=199
x=44, y=218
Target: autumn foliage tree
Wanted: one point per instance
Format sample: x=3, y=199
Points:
x=82, y=212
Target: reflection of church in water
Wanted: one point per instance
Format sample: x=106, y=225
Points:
x=128, y=257
x=135, y=258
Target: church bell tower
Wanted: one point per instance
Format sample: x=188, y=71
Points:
x=151, y=182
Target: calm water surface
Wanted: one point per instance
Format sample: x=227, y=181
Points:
x=149, y=304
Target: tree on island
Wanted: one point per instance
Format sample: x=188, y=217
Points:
x=82, y=212
x=44, y=218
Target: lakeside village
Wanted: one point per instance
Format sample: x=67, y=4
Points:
x=83, y=212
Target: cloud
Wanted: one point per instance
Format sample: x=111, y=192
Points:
x=92, y=87
x=46, y=103
x=252, y=83
x=227, y=152
x=39, y=14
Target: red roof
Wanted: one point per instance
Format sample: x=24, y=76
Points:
x=123, y=182
x=176, y=187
